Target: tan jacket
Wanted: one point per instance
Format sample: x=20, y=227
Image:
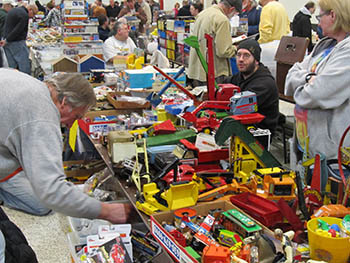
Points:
x=212, y=21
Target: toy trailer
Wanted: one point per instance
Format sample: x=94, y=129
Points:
x=263, y=210
x=235, y=221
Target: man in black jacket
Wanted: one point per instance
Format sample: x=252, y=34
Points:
x=16, y=29
x=302, y=23
x=185, y=9
x=254, y=76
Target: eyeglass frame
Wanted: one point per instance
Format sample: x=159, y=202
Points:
x=319, y=16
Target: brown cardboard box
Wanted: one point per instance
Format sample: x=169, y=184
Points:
x=125, y=104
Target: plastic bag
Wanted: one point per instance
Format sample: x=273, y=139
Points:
x=5, y=63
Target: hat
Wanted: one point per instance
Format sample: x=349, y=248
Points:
x=237, y=4
x=11, y=2
x=253, y=46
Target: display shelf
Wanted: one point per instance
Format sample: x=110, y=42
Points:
x=130, y=194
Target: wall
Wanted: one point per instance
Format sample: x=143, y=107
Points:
x=292, y=6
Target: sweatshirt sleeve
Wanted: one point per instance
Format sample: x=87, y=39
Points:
x=330, y=87
x=38, y=146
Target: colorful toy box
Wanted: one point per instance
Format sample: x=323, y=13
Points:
x=144, y=78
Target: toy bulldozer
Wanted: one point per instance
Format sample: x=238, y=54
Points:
x=178, y=195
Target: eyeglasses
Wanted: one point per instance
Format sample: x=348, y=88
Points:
x=318, y=17
x=243, y=55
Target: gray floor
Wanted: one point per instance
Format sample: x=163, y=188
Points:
x=47, y=235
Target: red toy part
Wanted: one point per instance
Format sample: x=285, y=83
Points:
x=185, y=173
x=216, y=254
x=250, y=118
x=179, y=237
x=166, y=127
x=290, y=215
x=263, y=210
x=207, y=122
x=223, y=92
x=206, y=156
x=316, y=175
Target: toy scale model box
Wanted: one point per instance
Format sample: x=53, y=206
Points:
x=145, y=78
x=178, y=252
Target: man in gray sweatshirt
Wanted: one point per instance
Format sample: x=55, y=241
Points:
x=31, y=169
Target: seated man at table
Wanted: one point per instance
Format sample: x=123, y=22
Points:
x=255, y=77
x=118, y=43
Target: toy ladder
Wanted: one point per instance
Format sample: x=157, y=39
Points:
x=136, y=172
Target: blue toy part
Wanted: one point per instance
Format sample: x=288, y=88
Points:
x=335, y=227
x=105, y=118
x=243, y=103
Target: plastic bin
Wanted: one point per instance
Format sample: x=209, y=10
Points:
x=329, y=249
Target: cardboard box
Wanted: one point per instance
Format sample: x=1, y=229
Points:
x=125, y=104
x=167, y=241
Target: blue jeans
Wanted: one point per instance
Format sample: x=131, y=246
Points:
x=17, y=54
x=17, y=193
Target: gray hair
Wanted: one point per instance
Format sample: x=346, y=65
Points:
x=237, y=4
x=117, y=26
x=75, y=88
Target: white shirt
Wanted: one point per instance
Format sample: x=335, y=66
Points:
x=113, y=46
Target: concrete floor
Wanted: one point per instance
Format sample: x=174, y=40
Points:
x=47, y=234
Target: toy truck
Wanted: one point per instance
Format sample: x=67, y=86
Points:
x=243, y=103
x=186, y=150
x=207, y=122
x=233, y=220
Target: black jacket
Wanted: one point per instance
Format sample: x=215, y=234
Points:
x=16, y=26
x=184, y=11
x=265, y=88
x=112, y=11
x=103, y=33
x=17, y=248
x=302, y=27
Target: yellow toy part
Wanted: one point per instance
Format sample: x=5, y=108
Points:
x=178, y=195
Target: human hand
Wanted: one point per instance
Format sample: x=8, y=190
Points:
x=116, y=213
x=311, y=80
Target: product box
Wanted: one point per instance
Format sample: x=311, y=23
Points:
x=119, y=104
x=90, y=126
x=178, y=252
x=144, y=78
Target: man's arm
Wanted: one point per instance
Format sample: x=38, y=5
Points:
x=223, y=40
x=265, y=26
x=116, y=213
x=109, y=51
x=141, y=15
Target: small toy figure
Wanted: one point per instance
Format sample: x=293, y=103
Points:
x=285, y=239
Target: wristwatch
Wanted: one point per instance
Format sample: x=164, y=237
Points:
x=309, y=76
